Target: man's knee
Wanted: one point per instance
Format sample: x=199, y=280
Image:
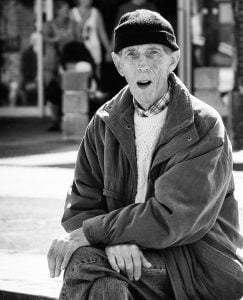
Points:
x=109, y=288
x=85, y=263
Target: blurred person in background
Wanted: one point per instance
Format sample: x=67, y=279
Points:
x=28, y=70
x=56, y=34
x=134, y=5
x=92, y=31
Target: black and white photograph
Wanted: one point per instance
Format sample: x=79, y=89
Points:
x=121, y=149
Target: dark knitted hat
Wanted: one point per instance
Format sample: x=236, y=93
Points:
x=143, y=27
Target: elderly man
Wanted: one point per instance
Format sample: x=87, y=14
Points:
x=151, y=212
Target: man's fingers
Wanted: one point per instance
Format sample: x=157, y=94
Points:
x=129, y=266
x=115, y=259
x=59, y=261
x=64, y=249
x=51, y=258
x=120, y=262
x=145, y=262
x=137, y=265
x=127, y=258
x=66, y=259
x=112, y=261
x=56, y=256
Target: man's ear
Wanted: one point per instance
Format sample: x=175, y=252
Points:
x=117, y=62
x=175, y=57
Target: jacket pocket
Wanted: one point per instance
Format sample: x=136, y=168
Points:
x=219, y=271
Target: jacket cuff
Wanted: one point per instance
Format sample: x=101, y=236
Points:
x=94, y=230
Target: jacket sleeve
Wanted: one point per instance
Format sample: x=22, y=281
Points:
x=187, y=200
x=85, y=198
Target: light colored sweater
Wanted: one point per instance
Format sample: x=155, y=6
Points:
x=147, y=131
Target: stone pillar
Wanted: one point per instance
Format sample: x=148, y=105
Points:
x=237, y=94
x=206, y=84
x=75, y=104
x=237, y=119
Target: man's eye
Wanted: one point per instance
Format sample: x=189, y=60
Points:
x=131, y=54
x=153, y=52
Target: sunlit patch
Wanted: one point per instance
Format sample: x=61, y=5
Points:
x=103, y=113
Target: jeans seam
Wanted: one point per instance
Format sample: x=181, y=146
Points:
x=163, y=268
x=88, y=262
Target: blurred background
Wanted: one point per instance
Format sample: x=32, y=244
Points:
x=56, y=70
x=209, y=33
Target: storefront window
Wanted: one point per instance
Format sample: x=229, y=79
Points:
x=212, y=33
x=18, y=71
x=212, y=52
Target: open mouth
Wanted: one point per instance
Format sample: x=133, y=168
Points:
x=144, y=83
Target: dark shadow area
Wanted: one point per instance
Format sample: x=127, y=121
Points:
x=64, y=165
x=238, y=166
x=29, y=136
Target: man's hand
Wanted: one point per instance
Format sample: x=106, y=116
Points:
x=62, y=249
x=127, y=258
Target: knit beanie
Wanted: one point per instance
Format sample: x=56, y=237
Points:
x=143, y=26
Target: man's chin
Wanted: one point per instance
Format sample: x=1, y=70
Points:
x=145, y=103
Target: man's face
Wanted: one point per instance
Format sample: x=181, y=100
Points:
x=146, y=69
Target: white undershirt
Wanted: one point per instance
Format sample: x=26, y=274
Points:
x=147, y=131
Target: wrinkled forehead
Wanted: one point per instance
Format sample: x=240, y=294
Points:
x=144, y=47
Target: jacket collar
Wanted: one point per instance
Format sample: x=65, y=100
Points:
x=119, y=112
x=179, y=115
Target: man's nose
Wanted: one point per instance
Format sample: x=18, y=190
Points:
x=143, y=68
x=143, y=65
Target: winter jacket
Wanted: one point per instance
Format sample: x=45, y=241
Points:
x=190, y=211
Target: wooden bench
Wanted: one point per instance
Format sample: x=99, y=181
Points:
x=25, y=276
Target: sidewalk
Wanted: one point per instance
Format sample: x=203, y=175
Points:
x=36, y=168
x=27, y=274
x=29, y=136
x=26, y=136
x=238, y=160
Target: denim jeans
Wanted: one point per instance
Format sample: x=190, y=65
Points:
x=89, y=276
